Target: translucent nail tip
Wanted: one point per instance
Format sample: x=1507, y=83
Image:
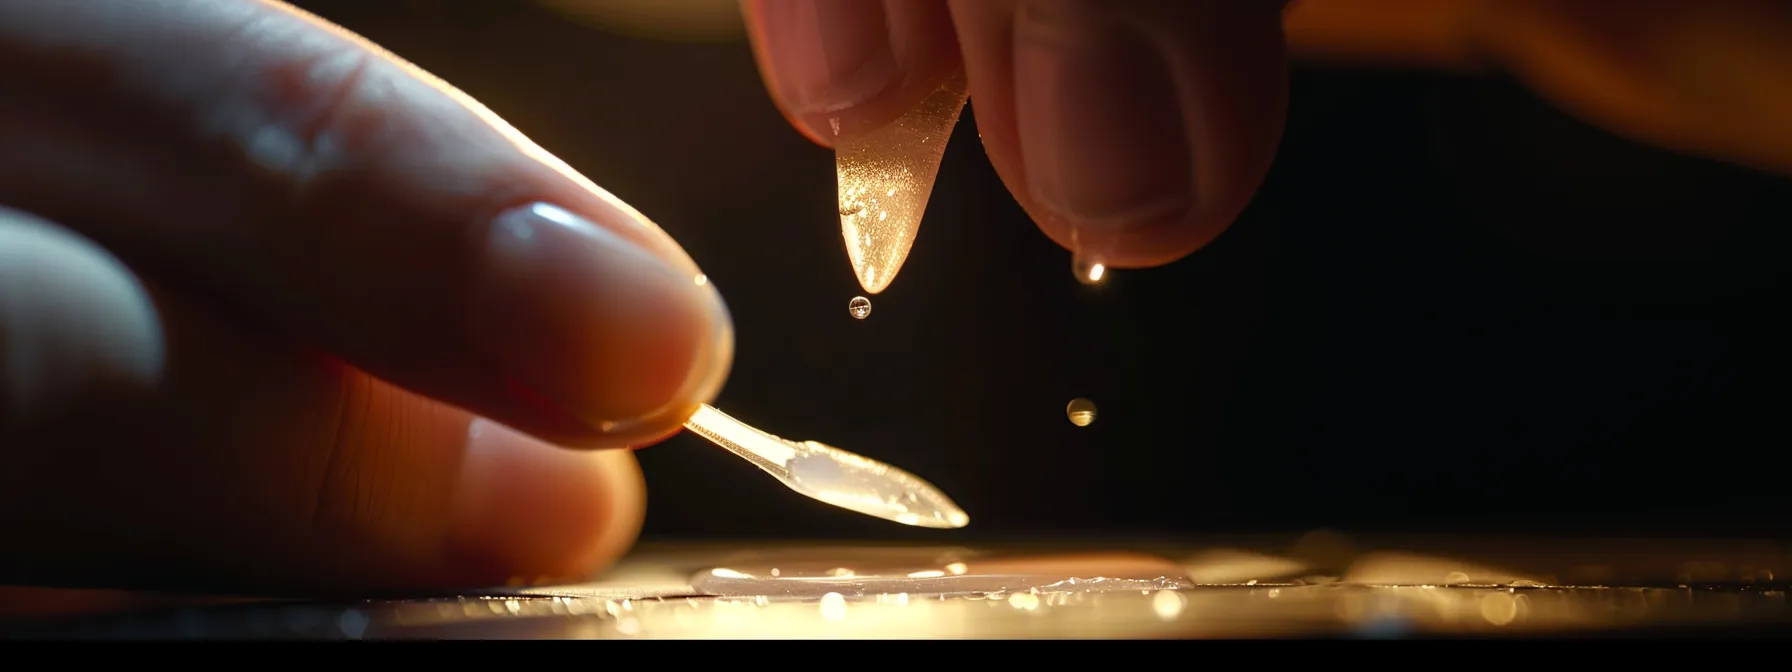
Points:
x=870, y=487
x=833, y=476
x=885, y=179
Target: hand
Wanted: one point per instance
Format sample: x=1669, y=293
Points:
x=280, y=313
x=1148, y=124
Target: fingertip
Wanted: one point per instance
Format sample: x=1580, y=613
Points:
x=585, y=322
x=529, y=512
x=1148, y=242
x=845, y=67
x=1132, y=132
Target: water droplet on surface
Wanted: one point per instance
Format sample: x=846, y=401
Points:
x=859, y=307
x=1081, y=412
x=833, y=606
x=1168, y=604
x=1088, y=271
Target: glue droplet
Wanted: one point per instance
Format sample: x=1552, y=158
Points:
x=1088, y=271
x=860, y=307
x=1081, y=412
x=886, y=177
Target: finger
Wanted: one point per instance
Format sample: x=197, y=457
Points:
x=1135, y=130
x=242, y=464
x=331, y=193
x=842, y=67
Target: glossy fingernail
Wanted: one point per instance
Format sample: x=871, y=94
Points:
x=1100, y=125
x=827, y=55
x=73, y=321
x=584, y=318
x=523, y=508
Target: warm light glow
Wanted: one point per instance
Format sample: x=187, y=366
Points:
x=1168, y=604
x=1080, y=411
x=832, y=475
x=1499, y=608
x=1024, y=601
x=833, y=606
x=885, y=179
x=1087, y=270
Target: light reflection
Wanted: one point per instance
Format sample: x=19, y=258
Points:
x=1168, y=604
x=833, y=606
x=890, y=172
x=906, y=592
x=994, y=575
x=1411, y=569
x=1027, y=601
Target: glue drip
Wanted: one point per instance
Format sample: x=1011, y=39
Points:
x=885, y=179
x=1086, y=259
x=832, y=475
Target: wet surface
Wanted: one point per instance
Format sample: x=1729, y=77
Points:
x=1309, y=589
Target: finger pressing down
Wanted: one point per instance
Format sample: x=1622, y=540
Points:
x=1133, y=130
x=149, y=443
x=313, y=185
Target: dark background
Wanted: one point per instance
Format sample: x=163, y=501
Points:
x=1449, y=308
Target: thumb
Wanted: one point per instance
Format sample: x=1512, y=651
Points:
x=74, y=321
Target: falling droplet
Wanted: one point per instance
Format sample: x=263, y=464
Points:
x=1081, y=412
x=886, y=177
x=860, y=307
x=1088, y=271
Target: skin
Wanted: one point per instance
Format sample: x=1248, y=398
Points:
x=223, y=371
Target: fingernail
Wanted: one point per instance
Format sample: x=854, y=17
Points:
x=579, y=316
x=827, y=55
x=1101, y=129
x=526, y=508
x=73, y=322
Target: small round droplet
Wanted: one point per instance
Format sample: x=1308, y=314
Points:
x=860, y=307
x=1088, y=271
x=1081, y=412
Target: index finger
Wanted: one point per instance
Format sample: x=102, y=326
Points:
x=344, y=198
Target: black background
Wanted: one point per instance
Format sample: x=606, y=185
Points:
x=1449, y=308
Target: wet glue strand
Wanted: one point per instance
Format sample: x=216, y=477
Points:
x=832, y=475
x=886, y=177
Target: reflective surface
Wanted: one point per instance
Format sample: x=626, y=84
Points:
x=944, y=573
x=1316, y=587
x=831, y=475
